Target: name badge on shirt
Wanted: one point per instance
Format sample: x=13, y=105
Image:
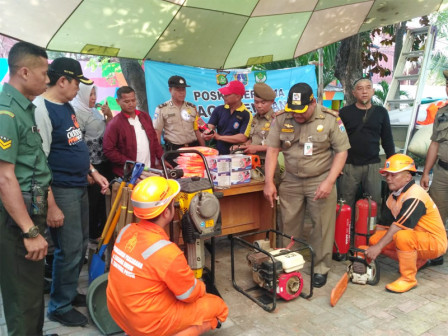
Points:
x=308, y=148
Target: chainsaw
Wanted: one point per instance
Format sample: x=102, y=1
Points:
x=287, y=263
x=360, y=270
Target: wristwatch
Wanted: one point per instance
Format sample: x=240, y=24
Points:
x=33, y=232
x=91, y=171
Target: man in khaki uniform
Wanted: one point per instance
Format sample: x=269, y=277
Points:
x=438, y=153
x=314, y=143
x=177, y=118
x=264, y=97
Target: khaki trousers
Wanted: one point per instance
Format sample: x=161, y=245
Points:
x=296, y=196
x=439, y=191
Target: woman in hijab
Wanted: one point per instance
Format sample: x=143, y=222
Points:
x=92, y=124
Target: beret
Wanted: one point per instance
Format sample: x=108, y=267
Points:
x=264, y=91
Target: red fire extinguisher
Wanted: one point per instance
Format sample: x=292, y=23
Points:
x=365, y=220
x=342, y=230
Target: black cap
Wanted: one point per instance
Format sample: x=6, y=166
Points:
x=177, y=81
x=299, y=97
x=70, y=67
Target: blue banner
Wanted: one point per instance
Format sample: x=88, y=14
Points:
x=204, y=84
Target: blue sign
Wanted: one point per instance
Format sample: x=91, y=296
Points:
x=203, y=90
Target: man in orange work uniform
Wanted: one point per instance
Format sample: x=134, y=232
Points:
x=416, y=232
x=151, y=289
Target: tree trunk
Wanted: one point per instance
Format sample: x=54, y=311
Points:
x=399, y=34
x=135, y=77
x=348, y=66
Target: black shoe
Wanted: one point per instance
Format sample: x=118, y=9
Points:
x=79, y=300
x=319, y=280
x=72, y=318
x=47, y=286
x=435, y=262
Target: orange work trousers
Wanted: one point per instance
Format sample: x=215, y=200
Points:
x=426, y=245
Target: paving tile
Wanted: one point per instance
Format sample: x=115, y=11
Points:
x=362, y=310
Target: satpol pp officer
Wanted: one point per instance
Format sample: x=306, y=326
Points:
x=314, y=143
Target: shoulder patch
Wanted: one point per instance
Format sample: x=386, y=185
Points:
x=333, y=113
x=8, y=113
x=163, y=105
x=276, y=114
x=190, y=104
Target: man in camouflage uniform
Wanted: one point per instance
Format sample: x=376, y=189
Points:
x=314, y=143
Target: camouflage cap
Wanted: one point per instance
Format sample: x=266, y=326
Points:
x=264, y=91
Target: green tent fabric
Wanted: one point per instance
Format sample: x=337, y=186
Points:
x=217, y=34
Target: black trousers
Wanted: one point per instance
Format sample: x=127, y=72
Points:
x=97, y=202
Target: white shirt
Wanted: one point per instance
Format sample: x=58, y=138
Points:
x=143, y=152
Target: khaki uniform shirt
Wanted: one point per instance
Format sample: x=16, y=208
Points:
x=309, y=148
x=179, y=125
x=440, y=133
x=259, y=130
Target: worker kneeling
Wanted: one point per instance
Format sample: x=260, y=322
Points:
x=151, y=288
x=416, y=232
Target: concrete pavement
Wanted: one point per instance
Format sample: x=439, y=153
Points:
x=363, y=310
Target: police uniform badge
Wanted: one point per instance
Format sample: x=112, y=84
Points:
x=185, y=114
x=236, y=125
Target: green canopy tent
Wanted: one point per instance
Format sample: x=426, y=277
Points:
x=218, y=34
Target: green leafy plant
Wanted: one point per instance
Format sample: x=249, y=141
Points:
x=380, y=94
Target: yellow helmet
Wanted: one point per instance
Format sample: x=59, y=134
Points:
x=398, y=163
x=152, y=195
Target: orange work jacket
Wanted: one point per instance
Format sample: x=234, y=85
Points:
x=149, y=281
x=430, y=222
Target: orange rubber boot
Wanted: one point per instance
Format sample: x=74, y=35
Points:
x=196, y=330
x=408, y=268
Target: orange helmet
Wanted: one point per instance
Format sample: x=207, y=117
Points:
x=398, y=163
x=152, y=195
